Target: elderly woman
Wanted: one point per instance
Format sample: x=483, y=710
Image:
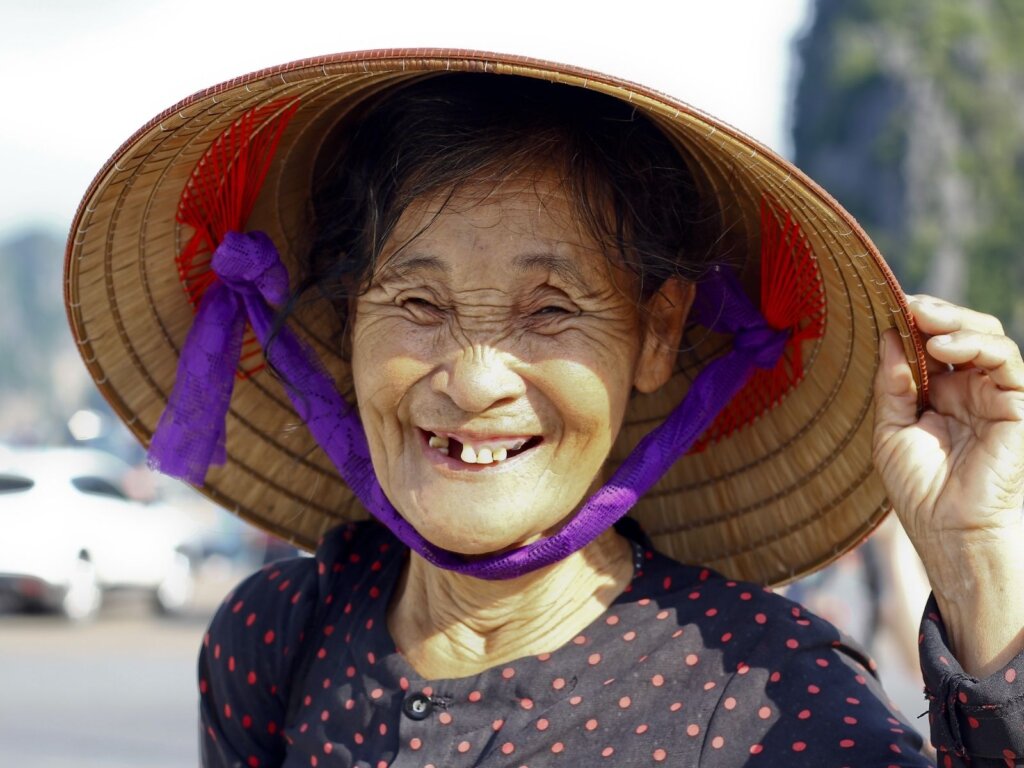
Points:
x=535, y=300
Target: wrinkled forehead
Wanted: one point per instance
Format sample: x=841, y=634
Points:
x=530, y=222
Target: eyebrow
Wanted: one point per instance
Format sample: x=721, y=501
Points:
x=405, y=263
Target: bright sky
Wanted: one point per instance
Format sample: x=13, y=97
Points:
x=79, y=77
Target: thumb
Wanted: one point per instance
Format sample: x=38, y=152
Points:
x=895, y=388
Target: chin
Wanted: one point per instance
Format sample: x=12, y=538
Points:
x=472, y=535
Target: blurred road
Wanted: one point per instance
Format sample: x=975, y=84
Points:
x=117, y=692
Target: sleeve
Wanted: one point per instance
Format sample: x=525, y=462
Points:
x=973, y=722
x=245, y=664
x=812, y=700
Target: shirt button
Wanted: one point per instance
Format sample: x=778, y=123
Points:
x=417, y=707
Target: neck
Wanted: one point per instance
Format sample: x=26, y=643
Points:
x=450, y=625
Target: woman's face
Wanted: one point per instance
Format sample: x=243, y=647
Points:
x=493, y=356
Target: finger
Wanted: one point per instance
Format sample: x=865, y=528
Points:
x=998, y=356
x=895, y=387
x=935, y=316
x=970, y=395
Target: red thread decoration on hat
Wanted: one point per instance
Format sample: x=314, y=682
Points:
x=792, y=299
x=219, y=197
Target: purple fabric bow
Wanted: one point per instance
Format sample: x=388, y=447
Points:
x=190, y=435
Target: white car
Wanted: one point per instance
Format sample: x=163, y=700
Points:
x=69, y=531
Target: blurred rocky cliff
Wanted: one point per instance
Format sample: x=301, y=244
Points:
x=911, y=112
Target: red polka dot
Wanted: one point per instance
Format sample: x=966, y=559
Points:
x=508, y=673
x=659, y=755
x=358, y=738
x=250, y=619
x=1009, y=754
x=328, y=748
x=850, y=720
x=313, y=761
x=580, y=640
x=526, y=703
x=641, y=729
x=973, y=722
x=792, y=643
x=594, y=658
x=205, y=686
x=709, y=685
x=415, y=744
x=251, y=678
x=444, y=718
x=508, y=748
x=813, y=689
x=718, y=742
x=1010, y=675
x=692, y=729
x=729, y=703
x=612, y=621
x=253, y=761
x=804, y=714
x=591, y=724
x=475, y=696
x=624, y=702
x=775, y=677
x=846, y=743
x=376, y=693
x=799, y=746
x=383, y=729
x=268, y=638
x=676, y=706
x=661, y=615
x=558, y=683
x=497, y=724
x=711, y=612
x=629, y=636
x=464, y=746
x=575, y=700
x=607, y=751
x=727, y=637
x=852, y=700
x=246, y=721
x=227, y=711
x=821, y=662
x=756, y=749
x=764, y=713
x=542, y=724
x=557, y=747
x=692, y=660
x=657, y=681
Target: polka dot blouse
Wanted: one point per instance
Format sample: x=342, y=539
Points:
x=685, y=668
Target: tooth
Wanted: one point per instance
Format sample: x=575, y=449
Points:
x=437, y=441
x=518, y=445
x=484, y=457
x=501, y=454
x=468, y=454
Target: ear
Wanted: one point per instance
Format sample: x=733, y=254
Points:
x=664, y=316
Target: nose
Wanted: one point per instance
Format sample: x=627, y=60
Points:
x=479, y=378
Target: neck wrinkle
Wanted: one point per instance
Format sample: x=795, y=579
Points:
x=449, y=625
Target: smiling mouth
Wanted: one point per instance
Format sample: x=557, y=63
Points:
x=487, y=451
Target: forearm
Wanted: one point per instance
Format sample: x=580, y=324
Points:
x=978, y=589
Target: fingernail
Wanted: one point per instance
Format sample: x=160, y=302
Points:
x=942, y=340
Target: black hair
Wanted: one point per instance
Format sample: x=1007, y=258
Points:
x=633, y=190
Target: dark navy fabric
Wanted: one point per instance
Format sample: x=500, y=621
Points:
x=685, y=668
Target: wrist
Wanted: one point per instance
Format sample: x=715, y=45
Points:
x=976, y=584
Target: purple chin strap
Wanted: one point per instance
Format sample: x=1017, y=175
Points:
x=190, y=435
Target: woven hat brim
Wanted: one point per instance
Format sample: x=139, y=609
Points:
x=768, y=503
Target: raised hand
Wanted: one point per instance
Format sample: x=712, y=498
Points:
x=955, y=474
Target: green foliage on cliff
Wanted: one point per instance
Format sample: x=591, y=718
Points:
x=912, y=113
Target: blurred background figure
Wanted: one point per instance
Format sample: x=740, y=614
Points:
x=907, y=110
